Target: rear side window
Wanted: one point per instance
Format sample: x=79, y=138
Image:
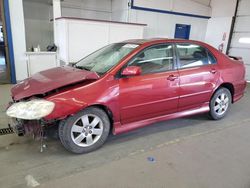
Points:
x=159, y=58
x=211, y=58
x=192, y=55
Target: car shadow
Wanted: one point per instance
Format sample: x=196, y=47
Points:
x=163, y=126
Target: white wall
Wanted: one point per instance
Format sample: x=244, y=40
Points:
x=240, y=43
x=187, y=6
x=92, y=9
x=161, y=24
x=120, y=10
x=18, y=36
x=39, y=29
x=223, y=8
x=72, y=48
x=216, y=29
x=220, y=23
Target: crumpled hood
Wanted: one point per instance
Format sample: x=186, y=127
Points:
x=49, y=80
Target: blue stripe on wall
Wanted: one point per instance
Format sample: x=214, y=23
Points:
x=10, y=42
x=166, y=12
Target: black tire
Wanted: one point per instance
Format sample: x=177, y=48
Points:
x=214, y=113
x=65, y=128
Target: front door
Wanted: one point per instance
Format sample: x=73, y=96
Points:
x=155, y=91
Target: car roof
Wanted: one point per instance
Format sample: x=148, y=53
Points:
x=157, y=40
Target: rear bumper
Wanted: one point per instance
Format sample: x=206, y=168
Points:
x=240, y=90
x=238, y=97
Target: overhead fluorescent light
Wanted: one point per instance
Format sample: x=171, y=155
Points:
x=244, y=40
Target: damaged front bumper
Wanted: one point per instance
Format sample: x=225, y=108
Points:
x=26, y=127
x=35, y=128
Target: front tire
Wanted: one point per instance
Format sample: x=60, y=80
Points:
x=220, y=103
x=86, y=131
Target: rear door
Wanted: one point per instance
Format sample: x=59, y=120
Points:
x=155, y=91
x=198, y=73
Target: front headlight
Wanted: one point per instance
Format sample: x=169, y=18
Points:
x=31, y=110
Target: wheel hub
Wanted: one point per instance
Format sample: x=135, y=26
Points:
x=87, y=130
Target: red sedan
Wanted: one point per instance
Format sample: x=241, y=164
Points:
x=124, y=86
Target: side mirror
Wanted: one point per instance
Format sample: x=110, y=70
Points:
x=131, y=71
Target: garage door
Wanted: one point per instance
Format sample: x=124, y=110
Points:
x=240, y=44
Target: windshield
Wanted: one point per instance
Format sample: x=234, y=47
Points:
x=107, y=57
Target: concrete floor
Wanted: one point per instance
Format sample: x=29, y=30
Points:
x=189, y=152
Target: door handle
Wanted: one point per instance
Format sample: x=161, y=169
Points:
x=213, y=71
x=172, y=77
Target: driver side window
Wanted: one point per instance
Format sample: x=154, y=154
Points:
x=155, y=59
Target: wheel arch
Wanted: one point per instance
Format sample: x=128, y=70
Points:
x=228, y=86
x=108, y=112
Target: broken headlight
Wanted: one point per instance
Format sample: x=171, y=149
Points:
x=30, y=110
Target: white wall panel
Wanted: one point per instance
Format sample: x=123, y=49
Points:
x=95, y=5
x=86, y=37
x=242, y=24
x=223, y=8
x=61, y=40
x=244, y=7
x=187, y=6
x=241, y=31
x=121, y=32
x=191, y=7
x=78, y=37
x=244, y=53
x=90, y=14
x=215, y=30
x=247, y=72
x=120, y=10
x=235, y=40
x=163, y=25
x=155, y=4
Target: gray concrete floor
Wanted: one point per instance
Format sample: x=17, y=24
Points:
x=191, y=152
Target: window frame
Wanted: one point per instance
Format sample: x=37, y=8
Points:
x=187, y=43
x=155, y=72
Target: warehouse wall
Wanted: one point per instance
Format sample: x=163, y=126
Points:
x=161, y=24
x=93, y=9
x=240, y=44
x=187, y=6
x=39, y=28
x=120, y=10
x=219, y=26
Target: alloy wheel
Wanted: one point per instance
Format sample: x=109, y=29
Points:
x=221, y=104
x=87, y=130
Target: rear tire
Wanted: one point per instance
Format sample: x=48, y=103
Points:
x=86, y=131
x=220, y=103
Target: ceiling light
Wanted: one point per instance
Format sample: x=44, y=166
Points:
x=244, y=40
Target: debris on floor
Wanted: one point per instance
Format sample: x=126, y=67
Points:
x=31, y=182
x=151, y=159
